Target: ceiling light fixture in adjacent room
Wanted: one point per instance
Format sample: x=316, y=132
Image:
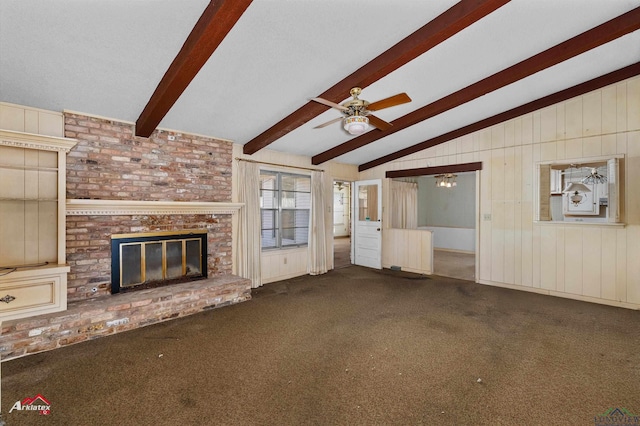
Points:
x=447, y=180
x=573, y=191
x=594, y=177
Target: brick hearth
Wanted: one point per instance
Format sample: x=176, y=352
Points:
x=92, y=318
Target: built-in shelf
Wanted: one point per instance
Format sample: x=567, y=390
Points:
x=33, y=270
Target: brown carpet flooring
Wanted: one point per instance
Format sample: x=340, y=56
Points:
x=351, y=347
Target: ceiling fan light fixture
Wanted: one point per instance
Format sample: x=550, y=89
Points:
x=356, y=124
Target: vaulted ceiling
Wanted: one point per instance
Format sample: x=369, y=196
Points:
x=245, y=71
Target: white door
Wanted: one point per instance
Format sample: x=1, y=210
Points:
x=367, y=223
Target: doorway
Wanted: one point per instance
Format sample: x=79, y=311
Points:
x=341, y=224
x=449, y=210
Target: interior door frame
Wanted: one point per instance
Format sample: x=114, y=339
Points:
x=374, y=224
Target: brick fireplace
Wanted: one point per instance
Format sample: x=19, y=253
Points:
x=118, y=183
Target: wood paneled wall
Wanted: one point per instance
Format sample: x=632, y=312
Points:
x=590, y=262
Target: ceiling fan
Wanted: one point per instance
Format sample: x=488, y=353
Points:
x=358, y=111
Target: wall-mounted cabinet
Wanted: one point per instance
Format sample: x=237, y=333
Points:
x=33, y=271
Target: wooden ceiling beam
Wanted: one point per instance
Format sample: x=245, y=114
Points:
x=577, y=90
x=595, y=37
x=436, y=170
x=450, y=22
x=214, y=24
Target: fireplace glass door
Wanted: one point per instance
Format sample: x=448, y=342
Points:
x=156, y=260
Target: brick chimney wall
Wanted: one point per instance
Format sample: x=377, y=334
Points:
x=111, y=163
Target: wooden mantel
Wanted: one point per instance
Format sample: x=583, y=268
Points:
x=131, y=207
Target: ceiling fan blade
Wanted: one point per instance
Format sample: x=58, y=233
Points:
x=400, y=98
x=329, y=103
x=378, y=122
x=327, y=123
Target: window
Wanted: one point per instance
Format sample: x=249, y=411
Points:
x=285, y=202
x=580, y=190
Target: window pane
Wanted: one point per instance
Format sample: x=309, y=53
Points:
x=269, y=238
x=268, y=180
x=268, y=199
x=295, y=227
x=269, y=232
x=296, y=183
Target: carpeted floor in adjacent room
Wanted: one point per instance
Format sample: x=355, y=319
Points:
x=351, y=347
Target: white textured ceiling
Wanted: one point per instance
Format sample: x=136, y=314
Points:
x=106, y=57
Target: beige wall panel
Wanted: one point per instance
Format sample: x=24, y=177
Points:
x=517, y=131
x=32, y=184
x=592, y=113
x=409, y=249
x=47, y=232
x=509, y=242
x=548, y=151
x=632, y=170
x=497, y=174
x=548, y=124
x=12, y=183
x=497, y=241
x=592, y=146
x=50, y=124
x=608, y=273
x=12, y=228
x=573, y=148
x=31, y=121
x=497, y=136
x=527, y=243
x=283, y=264
x=621, y=143
x=509, y=133
x=560, y=268
x=591, y=262
x=517, y=173
x=573, y=260
x=561, y=150
x=466, y=143
x=609, y=116
x=527, y=129
x=561, y=132
x=573, y=118
x=536, y=127
x=621, y=265
x=509, y=174
x=633, y=264
x=633, y=104
x=536, y=252
x=48, y=185
x=11, y=118
x=609, y=144
x=32, y=231
x=517, y=243
x=528, y=173
x=621, y=106
x=484, y=139
x=548, y=257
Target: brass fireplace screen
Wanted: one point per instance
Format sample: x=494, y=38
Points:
x=151, y=260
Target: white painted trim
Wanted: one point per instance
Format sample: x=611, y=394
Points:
x=34, y=141
x=132, y=207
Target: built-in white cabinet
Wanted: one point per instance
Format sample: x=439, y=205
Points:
x=556, y=181
x=33, y=270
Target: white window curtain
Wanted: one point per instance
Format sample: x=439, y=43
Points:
x=317, y=248
x=248, y=253
x=404, y=205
